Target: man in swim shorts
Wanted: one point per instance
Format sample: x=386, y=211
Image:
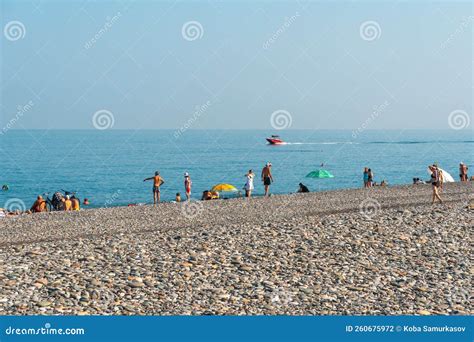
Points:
x=267, y=177
x=157, y=182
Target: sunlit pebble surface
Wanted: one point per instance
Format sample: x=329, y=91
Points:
x=299, y=254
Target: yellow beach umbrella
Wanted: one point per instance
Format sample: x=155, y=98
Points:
x=223, y=187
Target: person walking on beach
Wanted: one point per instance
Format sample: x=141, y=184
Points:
x=157, y=182
x=366, y=177
x=435, y=183
x=463, y=172
x=267, y=177
x=187, y=185
x=249, y=183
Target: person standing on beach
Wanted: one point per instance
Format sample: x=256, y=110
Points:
x=366, y=177
x=187, y=185
x=267, y=177
x=370, y=178
x=435, y=183
x=463, y=172
x=157, y=182
x=249, y=183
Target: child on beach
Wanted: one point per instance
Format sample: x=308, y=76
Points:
x=249, y=183
x=187, y=185
x=157, y=182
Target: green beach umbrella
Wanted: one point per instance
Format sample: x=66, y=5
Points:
x=319, y=174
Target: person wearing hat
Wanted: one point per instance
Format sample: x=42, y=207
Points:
x=157, y=182
x=267, y=177
x=187, y=185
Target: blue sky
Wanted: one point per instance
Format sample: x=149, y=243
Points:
x=312, y=60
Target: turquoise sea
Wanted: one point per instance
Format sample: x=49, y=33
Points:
x=109, y=166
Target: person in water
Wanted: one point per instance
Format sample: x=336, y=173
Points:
x=157, y=182
x=249, y=183
x=5, y=187
x=178, y=197
x=86, y=201
x=39, y=205
x=267, y=177
x=303, y=188
x=435, y=183
x=187, y=185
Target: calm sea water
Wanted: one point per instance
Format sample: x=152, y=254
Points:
x=108, y=167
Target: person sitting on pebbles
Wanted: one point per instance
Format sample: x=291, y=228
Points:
x=39, y=205
x=67, y=203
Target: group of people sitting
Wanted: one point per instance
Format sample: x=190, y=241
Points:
x=67, y=203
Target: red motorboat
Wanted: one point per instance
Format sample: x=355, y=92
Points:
x=275, y=140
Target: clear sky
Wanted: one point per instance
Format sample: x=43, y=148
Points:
x=327, y=64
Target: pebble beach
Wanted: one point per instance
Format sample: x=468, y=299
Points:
x=378, y=251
